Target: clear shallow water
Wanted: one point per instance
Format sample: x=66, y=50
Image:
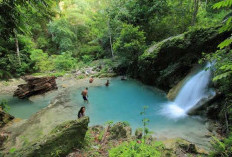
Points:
x=121, y=101
x=124, y=100
x=22, y=108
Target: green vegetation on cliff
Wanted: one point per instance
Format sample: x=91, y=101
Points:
x=157, y=42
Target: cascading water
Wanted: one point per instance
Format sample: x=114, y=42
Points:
x=193, y=91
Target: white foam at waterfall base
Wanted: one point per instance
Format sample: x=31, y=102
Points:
x=193, y=91
x=173, y=111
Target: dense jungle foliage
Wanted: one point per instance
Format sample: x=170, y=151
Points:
x=57, y=36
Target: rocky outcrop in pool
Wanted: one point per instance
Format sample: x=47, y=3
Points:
x=35, y=86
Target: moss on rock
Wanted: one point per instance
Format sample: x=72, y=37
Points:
x=59, y=142
x=4, y=118
x=120, y=130
x=165, y=63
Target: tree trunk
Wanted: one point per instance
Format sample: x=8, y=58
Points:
x=17, y=47
x=111, y=46
x=206, y=2
x=195, y=11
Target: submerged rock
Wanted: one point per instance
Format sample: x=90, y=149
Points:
x=59, y=142
x=120, y=130
x=35, y=86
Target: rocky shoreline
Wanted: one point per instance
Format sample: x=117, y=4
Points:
x=39, y=126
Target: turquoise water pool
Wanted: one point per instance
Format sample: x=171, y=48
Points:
x=23, y=108
x=121, y=101
x=124, y=100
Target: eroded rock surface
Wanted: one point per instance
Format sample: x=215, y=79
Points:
x=180, y=147
x=35, y=86
x=40, y=124
x=5, y=118
x=59, y=142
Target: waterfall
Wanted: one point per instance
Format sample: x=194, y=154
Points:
x=193, y=91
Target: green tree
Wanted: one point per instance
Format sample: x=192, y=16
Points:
x=130, y=45
x=15, y=21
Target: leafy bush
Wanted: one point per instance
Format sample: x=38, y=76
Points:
x=42, y=61
x=95, y=51
x=45, y=63
x=222, y=148
x=5, y=107
x=87, y=58
x=5, y=75
x=136, y=149
x=130, y=44
x=80, y=76
x=57, y=74
x=64, y=62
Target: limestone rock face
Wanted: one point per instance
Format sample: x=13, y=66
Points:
x=35, y=85
x=59, y=142
x=183, y=147
x=120, y=130
x=4, y=118
x=167, y=62
x=208, y=107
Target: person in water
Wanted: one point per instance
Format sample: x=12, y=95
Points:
x=123, y=78
x=81, y=112
x=91, y=79
x=107, y=83
x=84, y=94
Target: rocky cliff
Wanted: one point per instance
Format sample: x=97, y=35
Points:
x=165, y=63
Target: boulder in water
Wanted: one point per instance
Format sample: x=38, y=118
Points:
x=35, y=86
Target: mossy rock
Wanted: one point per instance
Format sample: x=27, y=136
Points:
x=59, y=142
x=120, y=130
x=5, y=118
x=178, y=145
x=167, y=62
x=139, y=133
